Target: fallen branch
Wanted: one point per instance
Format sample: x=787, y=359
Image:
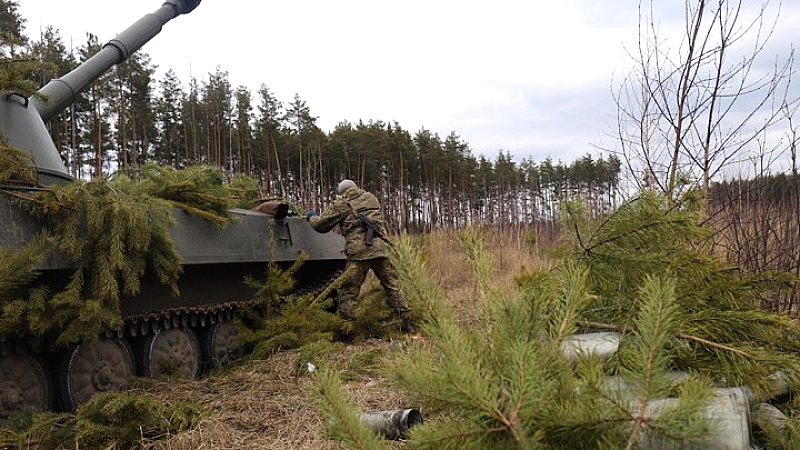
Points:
x=684, y=336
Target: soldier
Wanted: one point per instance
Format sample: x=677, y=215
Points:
x=366, y=246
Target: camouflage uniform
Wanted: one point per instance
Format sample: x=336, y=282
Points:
x=360, y=256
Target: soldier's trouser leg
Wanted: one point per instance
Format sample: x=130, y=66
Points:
x=385, y=273
x=348, y=292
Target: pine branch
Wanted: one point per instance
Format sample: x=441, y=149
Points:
x=344, y=423
x=572, y=300
x=688, y=337
x=716, y=345
x=16, y=166
x=335, y=284
x=473, y=245
x=421, y=291
x=655, y=321
x=509, y=423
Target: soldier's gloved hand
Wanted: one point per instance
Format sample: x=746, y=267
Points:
x=310, y=214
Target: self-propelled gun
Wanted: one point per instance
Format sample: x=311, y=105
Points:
x=185, y=331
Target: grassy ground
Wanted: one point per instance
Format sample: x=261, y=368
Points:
x=267, y=405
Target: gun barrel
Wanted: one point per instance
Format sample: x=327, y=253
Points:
x=61, y=92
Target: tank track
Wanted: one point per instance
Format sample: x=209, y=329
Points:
x=144, y=324
x=61, y=373
x=138, y=325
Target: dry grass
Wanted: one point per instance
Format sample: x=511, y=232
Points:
x=449, y=266
x=266, y=405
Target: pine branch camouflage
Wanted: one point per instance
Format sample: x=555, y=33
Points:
x=114, y=231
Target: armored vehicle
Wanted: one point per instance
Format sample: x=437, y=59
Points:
x=161, y=332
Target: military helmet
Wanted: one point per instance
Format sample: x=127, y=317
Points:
x=344, y=185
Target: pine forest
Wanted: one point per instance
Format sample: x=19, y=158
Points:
x=129, y=118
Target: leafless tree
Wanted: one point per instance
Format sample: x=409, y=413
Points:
x=691, y=112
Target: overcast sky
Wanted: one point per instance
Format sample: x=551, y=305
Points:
x=531, y=77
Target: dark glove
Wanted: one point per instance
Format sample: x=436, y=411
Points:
x=310, y=214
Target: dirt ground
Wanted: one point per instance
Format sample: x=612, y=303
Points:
x=264, y=405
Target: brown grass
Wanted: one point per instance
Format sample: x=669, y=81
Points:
x=511, y=255
x=266, y=405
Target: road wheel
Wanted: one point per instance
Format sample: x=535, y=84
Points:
x=220, y=344
x=105, y=365
x=173, y=352
x=24, y=385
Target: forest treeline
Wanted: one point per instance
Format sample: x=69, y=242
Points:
x=426, y=181
x=758, y=224
x=129, y=117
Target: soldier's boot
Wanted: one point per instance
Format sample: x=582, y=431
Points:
x=407, y=324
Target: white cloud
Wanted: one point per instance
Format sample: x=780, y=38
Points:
x=528, y=76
